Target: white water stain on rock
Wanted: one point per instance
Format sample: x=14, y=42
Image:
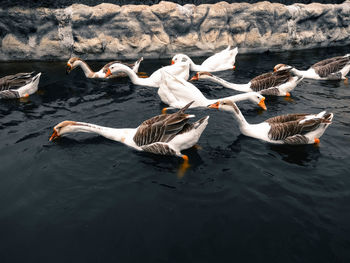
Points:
x=65, y=32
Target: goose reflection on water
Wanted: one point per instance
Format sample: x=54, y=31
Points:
x=303, y=155
x=170, y=164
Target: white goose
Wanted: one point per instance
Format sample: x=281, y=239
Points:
x=74, y=62
x=20, y=85
x=166, y=134
x=335, y=68
x=220, y=61
x=177, y=92
x=284, y=129
x=279, y=83
x=181, y=70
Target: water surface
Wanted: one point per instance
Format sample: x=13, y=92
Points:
x=84, y=198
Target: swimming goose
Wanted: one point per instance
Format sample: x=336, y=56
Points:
x=19, y=85
x=284, y=129
x=177, y=92
x=278, y=83
x=75, y=62
x=335, y=68
x=166, y=134
x=220, y=61
x=180, y=69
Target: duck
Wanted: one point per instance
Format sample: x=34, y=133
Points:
x=177, y=92
x=220, y=61
x=74, y=62
x=291, y=129
x=279, y=83
x=166, y=134
x=180, y=69
x=335, y=68
x=20, y=85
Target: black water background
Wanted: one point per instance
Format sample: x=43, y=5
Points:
x=65, y=3
x=84, y=198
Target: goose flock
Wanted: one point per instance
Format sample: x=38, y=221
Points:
x=170, y=133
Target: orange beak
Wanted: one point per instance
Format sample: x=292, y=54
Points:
x=262, y=104
x=172, y=62
x=317, y=140
x=274, y=69
x=234, y=67
x=108, y=73
x=68, y=68
x=54, y=135
x=195, y=77
x=214, y=105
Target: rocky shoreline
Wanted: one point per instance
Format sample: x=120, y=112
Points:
x=108, y=31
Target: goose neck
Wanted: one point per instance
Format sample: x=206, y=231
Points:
x=229, y=85
x=237, y=114
x=119, y=135
x=85, y=67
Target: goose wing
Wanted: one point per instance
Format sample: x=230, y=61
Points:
x=162, y=128
x=333, y=65
x=9, y=85
x=326, y=61
x=225, y=56
x=286, y=118
x=263, y=76
x=270, y=80
x=284, y=130
x=180, y=90
x=15, y=81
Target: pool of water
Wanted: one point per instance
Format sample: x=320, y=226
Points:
x=84, y=198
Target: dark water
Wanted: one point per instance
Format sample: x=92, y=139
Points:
x=84, y=198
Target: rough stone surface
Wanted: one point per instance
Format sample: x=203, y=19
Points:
x=109, y=31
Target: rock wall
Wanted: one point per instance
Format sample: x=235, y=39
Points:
x=108, y=31
x=66, y=3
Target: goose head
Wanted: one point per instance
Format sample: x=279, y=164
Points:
x=114, y=68
x=201, y=75
x=281, y=67
x=72, y=63
x=257, y=98
x=227, y=103
x=62, y=128
x=180, y=58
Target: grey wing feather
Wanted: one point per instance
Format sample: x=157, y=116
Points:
x=270, y=92
x=270, y=80
x=158, y=148
x=9, y=94
x=332, y=67
x=296, y=139
x=286, y=118
x=280, y=131
x=162, y=128
x=190, y=126
x=326, y=61
x=263, y=76
x=15, y=81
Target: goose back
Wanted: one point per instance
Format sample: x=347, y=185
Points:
x=162, y=128
x=269, y=80
x=280, y=131
x=333, y=65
